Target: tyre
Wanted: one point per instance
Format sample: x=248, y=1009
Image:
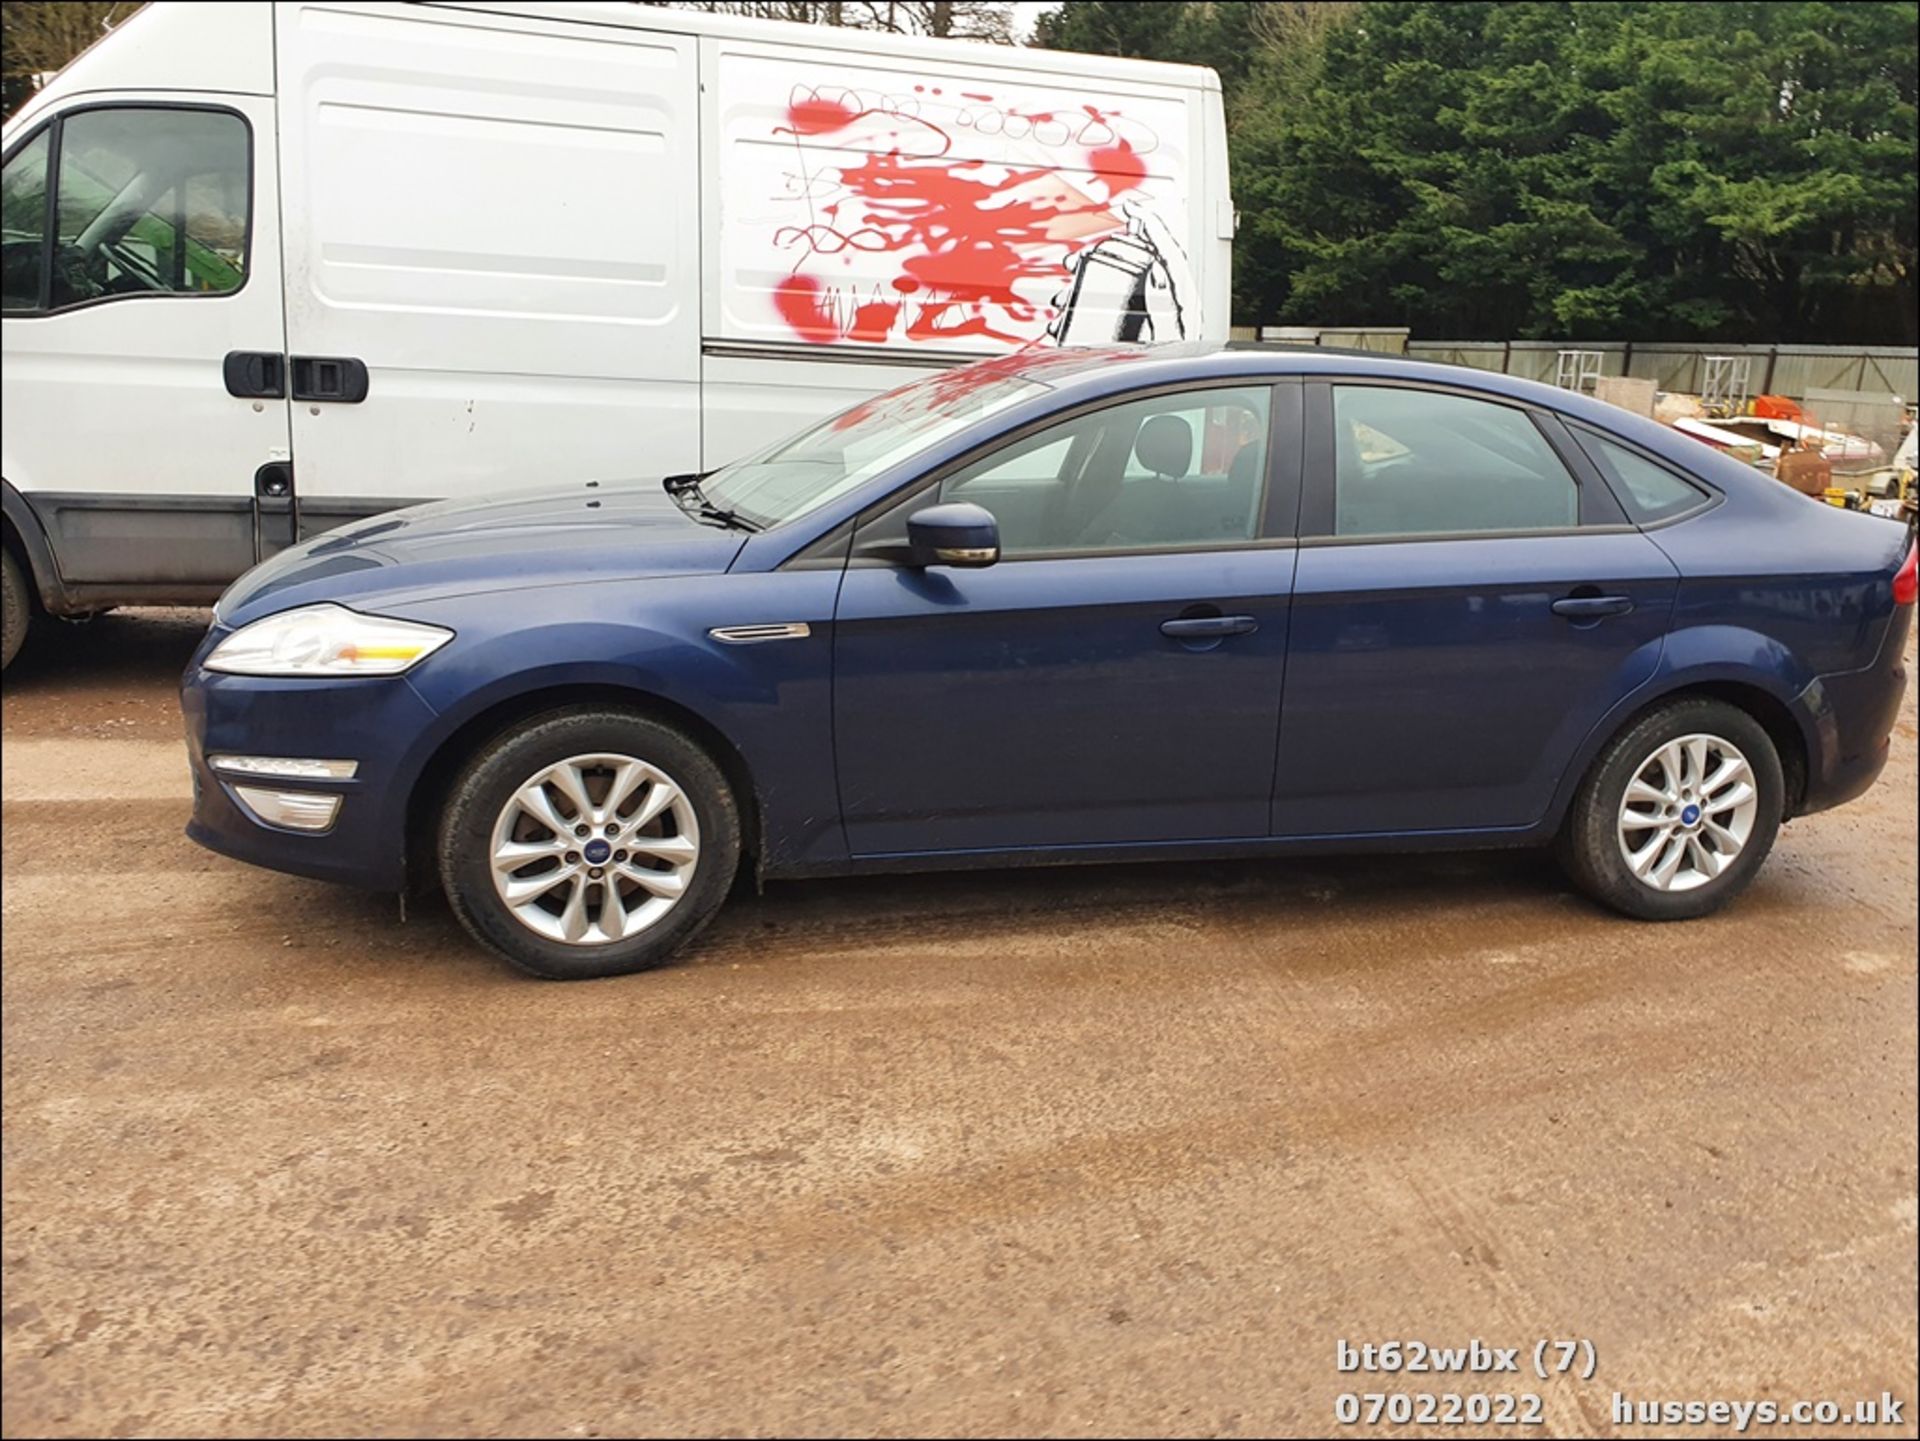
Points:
x=1678, y=812
x=588, y=843
x=16, y=607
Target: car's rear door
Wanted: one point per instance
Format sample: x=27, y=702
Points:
x=1116, y=677
x=1470, y=601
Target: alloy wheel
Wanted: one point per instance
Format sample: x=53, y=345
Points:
x=594, y=849
x=1687, y=813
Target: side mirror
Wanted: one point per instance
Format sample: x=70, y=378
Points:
x=956, y=534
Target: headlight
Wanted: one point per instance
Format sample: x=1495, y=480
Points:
x=326, y=640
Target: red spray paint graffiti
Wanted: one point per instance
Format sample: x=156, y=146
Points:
x=978, y=248
x=817, y=115
x=798, y=299
x=1120, y=166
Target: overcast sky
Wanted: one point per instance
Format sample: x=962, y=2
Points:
x=1025, y=12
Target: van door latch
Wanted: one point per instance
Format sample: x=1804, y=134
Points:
x=337, y=378
x=255, y=374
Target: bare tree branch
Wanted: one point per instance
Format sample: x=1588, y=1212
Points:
x=37, y=36
x=990, y=20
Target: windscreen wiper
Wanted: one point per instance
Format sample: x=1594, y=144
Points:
x=686, y=492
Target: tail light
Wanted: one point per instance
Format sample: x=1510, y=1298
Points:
x=1906, y=580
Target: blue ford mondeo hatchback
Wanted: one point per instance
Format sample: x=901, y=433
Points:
x=1078, y=605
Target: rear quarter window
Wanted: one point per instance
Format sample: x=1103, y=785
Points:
x=1649, y=491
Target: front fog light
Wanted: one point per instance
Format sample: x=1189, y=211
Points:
x=287, y=767
x=294, y=810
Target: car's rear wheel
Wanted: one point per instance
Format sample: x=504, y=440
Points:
x=588, y=843
x=1678, y=812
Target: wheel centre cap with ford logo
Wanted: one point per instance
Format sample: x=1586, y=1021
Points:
x=596, y=852
x=1690, y=816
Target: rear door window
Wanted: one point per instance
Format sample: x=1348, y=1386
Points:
x=1423, y=462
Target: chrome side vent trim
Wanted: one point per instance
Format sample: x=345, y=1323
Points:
x=754, y=634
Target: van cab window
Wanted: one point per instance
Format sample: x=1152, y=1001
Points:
x=145, y=201
x=23, y=223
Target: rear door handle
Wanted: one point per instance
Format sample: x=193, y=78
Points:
x=1204, y=626
x=1592, y=607
x=338, y=378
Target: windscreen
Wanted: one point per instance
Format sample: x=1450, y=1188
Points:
x=799, y=474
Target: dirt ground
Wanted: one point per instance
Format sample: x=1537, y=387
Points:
x=1077, y=1151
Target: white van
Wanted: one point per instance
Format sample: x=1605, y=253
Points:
x=272, y=267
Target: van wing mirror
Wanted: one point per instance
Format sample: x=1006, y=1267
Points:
x=956, y=534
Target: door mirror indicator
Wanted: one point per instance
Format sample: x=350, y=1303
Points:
x=956, y=534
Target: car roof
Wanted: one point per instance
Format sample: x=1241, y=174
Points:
x=1076, y=374
x=1095, y=370
x=1071, y=376
x=1067, y=378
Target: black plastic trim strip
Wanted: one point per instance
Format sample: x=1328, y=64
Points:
x=838, y=354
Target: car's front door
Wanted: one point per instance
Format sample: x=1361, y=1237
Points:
x=1116, y=676
x=1470, y=602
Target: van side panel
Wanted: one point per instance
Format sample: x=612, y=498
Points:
x=752, y=400
x=498, y=216
x=956, y=208
x=862, y=205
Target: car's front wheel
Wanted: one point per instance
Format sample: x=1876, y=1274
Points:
x=588, y=843
x=1677, y=813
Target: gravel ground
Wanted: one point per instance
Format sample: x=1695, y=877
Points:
x=1086, y=1151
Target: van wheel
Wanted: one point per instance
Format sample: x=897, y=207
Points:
x=16, y=607
x=588, y=843
x=1678, y=812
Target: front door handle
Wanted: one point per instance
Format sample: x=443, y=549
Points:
x=1205, y=627
x=1592, y=607
x=255, y=374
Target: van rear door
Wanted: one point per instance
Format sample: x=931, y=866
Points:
x=492, y=233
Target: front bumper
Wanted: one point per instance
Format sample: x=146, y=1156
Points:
x=374, y=721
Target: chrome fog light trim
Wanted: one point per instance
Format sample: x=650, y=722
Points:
x=292, y=810
x=293, y=767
